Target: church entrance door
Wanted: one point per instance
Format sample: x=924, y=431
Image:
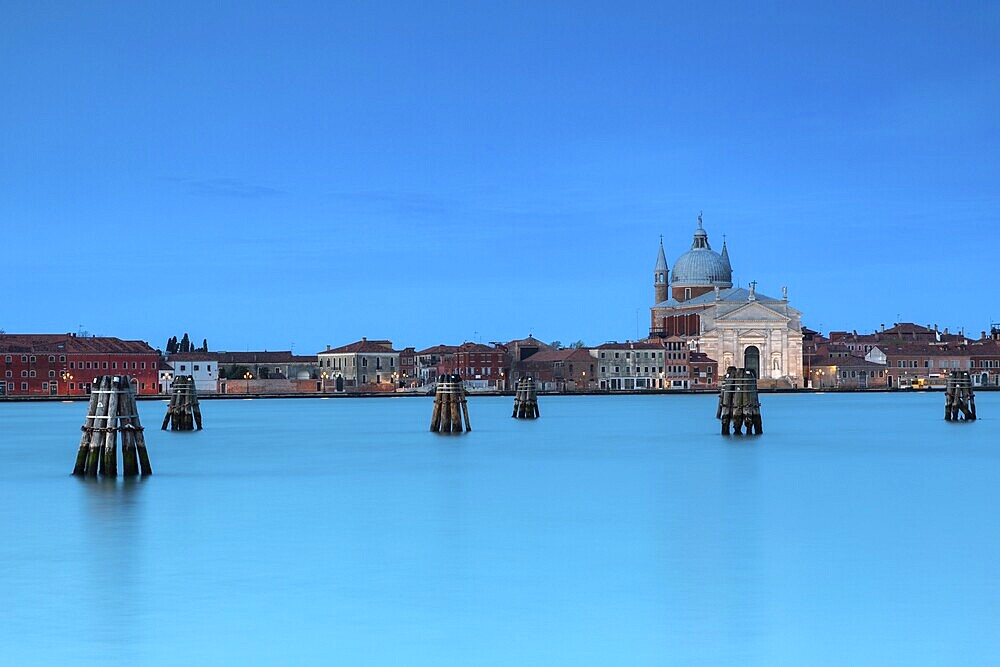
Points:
x=751, y=360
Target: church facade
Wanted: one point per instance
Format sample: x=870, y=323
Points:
x=736, y=326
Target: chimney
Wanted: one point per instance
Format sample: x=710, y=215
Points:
x=946, y=331
x=364, y=339
x=327, y=348
x=883, y=328
x=935, y=328
x=983, y=336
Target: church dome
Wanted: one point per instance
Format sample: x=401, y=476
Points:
x=702, y=266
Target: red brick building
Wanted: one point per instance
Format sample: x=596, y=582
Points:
x=568, y=369
x=476, y=363
x=704, y=371
x=984, y=359
x=408, y=367
x=66, y=364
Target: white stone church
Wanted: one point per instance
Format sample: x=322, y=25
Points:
x=735, y=326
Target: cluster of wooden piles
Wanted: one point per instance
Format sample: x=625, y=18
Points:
x=525, y=399
x=183, y=413
x=112, y=410
x=738, y=402
x=958, y=397
x=450, y=406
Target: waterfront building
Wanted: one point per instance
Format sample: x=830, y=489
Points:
x=268, y=365
x=481, y=366
x=365, y=364
x=408, y=367
x=984, y=361
x=202, y=366
x=429, y=359
x=734, y=325
x=920, y=364
x=66, y=364
x=846, y=371
x=704, y=371
x=568, y=369
x=648, y=364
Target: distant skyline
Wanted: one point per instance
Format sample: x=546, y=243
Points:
x=309, y=173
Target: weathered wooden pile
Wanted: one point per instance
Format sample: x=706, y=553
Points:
x=112, y=410
x=450, y=406
x=183, y=413
x=525, y=399
x=738, y=402
x=958, y=397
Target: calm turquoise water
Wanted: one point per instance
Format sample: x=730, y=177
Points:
x=859, y=529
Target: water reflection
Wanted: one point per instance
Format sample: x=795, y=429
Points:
x=115, y=556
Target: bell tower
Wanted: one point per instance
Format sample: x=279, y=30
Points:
x=661, y=277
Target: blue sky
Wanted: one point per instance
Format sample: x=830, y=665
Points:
x=311, y=173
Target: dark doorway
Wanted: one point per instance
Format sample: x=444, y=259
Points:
x=751, y=360
x=339, y=383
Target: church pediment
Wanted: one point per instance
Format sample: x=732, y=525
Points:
x=754, y=312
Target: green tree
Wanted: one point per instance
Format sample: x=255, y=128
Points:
x=579, y=345
x=185, y=344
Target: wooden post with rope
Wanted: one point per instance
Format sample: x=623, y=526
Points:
x=739, y=403
x=112, y=410
x=451, y=410
x=526, y=399
x=183, y=412
x=959, y=398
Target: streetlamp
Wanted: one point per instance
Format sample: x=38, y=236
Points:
x=66, y=377
x=248, y=376
x=168, y=378
x=324, y=376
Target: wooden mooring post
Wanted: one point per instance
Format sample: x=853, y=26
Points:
x=738, y=402
x=450, y=407
x=112, y=410
x=958, y=397
x=526, y=399
x=183, y=413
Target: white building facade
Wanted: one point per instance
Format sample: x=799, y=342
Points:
x=735, y=326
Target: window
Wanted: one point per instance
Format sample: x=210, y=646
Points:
x=24, y=358
x=9, y=374
x=52, y=374
x=31, y=374
x=72, y=364
x=208, y=367
x=144, y=366
x=604, y=369
x=24, y=386
x=45, y=386
x=62, y=358
x=24, y=374
x=52, y=358
x=196, y=366
x=72, y=385
x=183, y=367
x=105, y=365
x=32, y=358
x=8, y=359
